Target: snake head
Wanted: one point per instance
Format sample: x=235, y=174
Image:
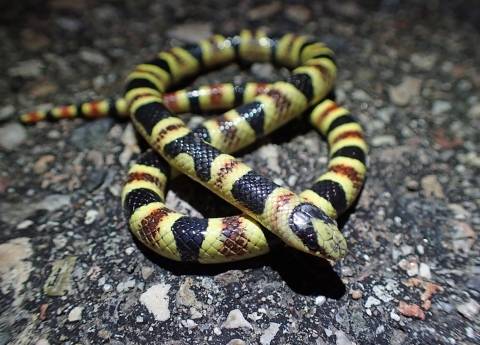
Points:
x=317, y=232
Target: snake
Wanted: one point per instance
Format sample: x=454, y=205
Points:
x=305, y=221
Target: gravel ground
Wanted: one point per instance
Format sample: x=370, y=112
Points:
x=72, y=273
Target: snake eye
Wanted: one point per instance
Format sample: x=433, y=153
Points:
x=311, y=243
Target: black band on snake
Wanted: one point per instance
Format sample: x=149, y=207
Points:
x=302, y=221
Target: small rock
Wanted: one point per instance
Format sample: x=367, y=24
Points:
x=424, y=271
x=26, y=69
x=431, y=187
x=58, y=282
x=75, y=314
x=236, y=342
x=412, y=185
x=146, y=272
x=269, y=333
x=264, y=11
x=394, y=316
x=54, y=202
x=41, y=165
x=469, y=309
x=6, y=112
x=423, y=61
x=342, y=338
x=360, y=95
x=191, y=32
x=186, y=296
x=383, y=140
x=235, y=319
x=12, y=135
x=474, y=283
x=411, y=310
x=92, y=56
x=356, y=294
x=92, y=134
x=91, y=216
x=371, y=301
x=42, y=342
x=403, y=93
x=440, y=107
x=411, y=266
x=319, y=300
x=156, y=299
x=474, y=111
x=298, y=13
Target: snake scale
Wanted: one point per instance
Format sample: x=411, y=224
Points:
x=303, y=221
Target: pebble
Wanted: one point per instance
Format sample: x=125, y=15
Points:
x=190, y=324
x=26, y=69
x=474, y=283
x=25, y=224
x=91, y=216
x=380, y=292
x=41, y=165
x=298, y=13
x=264, y=11
x=42, y=342
x=412, y=185
x=469, y=309
x=319, y=300
x=410, y=266
x=356, y=294
x=405, y=91
x=58, y=282
x=342, y=338
x=474, y=111
x=263, y=71
x=360, y=95
x=394, y=316
x=423, y=61
x=186, y=296
x=440, y=107
x=69, y=24
x=235, y=319
x=92, y=134
x=431, y=187
x=269, y=334
x=424, y=271
x=125, y=286
x=411, y=310
x=191, y=32
x=75, y=314
x=33, y=41
x=385, y=114
x=236, y=342
x=55, y=201
x=12, y=135
x=6, y=112
x=92, y=56
x=371, y=301
x=107, y=287
x=156, y=299
x=15, y=269
x=270, y=154
x=95, y=179
x=146, y=272
x=383, y=140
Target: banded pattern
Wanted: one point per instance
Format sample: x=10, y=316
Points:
x=304, y=221
x=206, y=98
x=296, y=221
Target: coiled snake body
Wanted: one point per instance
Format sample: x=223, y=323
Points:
x=302, y=221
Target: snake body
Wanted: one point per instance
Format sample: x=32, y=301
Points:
x=302, y=221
